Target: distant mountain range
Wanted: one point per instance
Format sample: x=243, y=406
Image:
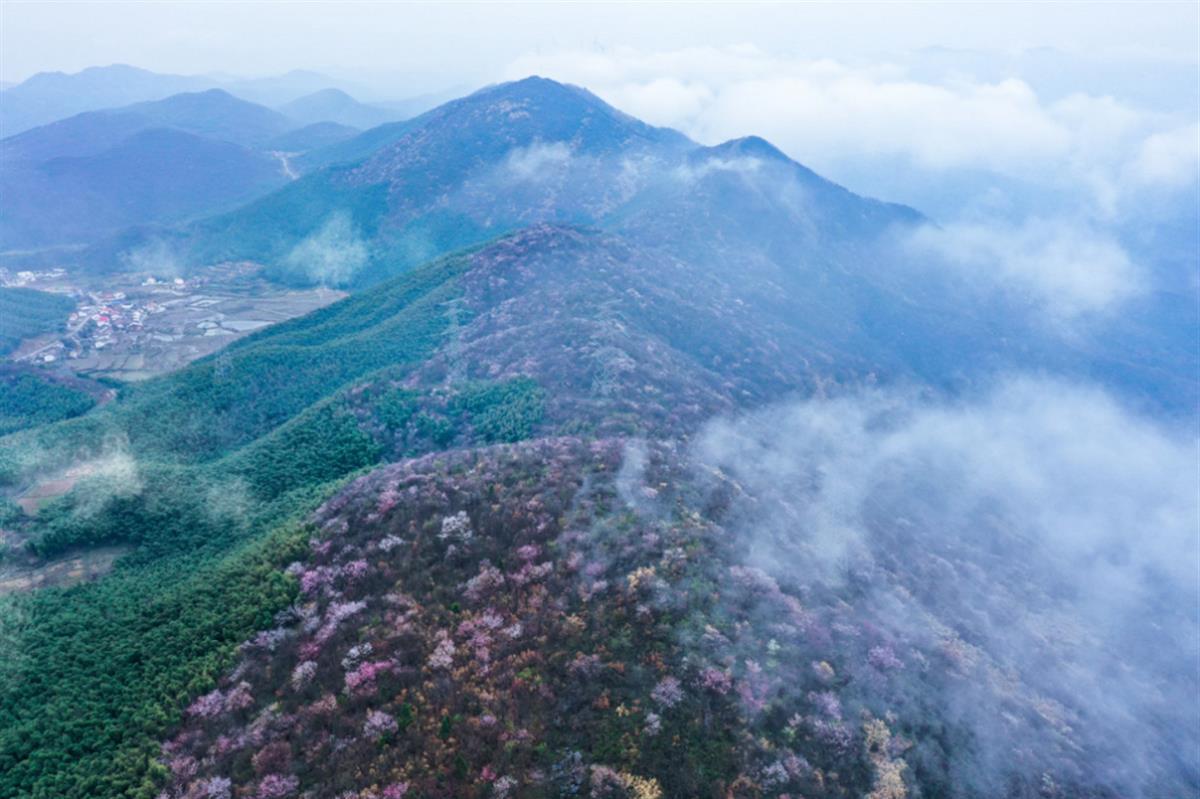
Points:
x=334, y=105
x=212, y=113
x=102, y=113
x=50, y=96
x=157, y=174
x=159, y=161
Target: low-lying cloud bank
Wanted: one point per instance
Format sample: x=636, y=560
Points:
x=1031, y=554
x=155, y=257
x=1065, y=269
x=1077, y=197
x=330, y=256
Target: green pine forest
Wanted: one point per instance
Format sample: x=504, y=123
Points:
x=208, y=476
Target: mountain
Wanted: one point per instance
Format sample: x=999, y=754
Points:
x=463, y=123
x=50, y=96
x=217, y=114
x=319, y=135
x=276, y=90
x=533, y=566
x=156, y=175
x=164, y=161
x=454, y=140
x=334, y=105
x=515, y=154
x=536, y=151
x=213, y=113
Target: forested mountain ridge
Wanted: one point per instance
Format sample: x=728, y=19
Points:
x=537, y=151
x=506, y=156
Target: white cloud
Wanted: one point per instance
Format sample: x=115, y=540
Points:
x=1066, y=268
x=1171, y=158
x=532, y=162
x=331, y=255
x=1041, y=521
x=742, y=166
x=829, y=115
x=1088, y=479
x=838, y=116
x=669, y=99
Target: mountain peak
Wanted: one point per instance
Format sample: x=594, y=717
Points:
x=536, y=87
x=328, y=94
x=204, y=98
x=334, y=105
x=550, y=99
x=538, y=81
x=445, y=144
x=51, y=96
x=754, y=146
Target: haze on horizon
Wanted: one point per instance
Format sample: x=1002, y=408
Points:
x=401, y=47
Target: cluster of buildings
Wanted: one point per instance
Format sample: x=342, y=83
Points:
x=139, y=324
x=29, y=277
x=100, y=320
x=104, y=316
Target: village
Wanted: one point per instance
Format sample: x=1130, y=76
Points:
x=142, y=325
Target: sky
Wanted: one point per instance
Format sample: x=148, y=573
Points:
x=469, y=42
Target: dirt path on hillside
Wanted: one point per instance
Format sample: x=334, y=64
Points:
x=70, y=569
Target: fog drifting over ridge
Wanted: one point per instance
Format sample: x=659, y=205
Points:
x=1038, y=535
x=828, y=112
x=1071, y=191
x=1068, y=270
